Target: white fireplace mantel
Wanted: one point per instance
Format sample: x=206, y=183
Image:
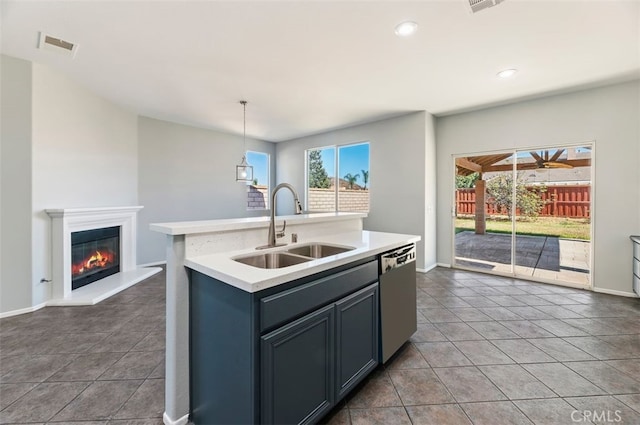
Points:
x=68, y=220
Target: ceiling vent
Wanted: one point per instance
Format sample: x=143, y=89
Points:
x=56, y=44
x=478, y=5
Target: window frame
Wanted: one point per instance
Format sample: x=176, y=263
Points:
x=336, y=167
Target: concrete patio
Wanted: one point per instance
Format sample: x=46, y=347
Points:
x=547, y=257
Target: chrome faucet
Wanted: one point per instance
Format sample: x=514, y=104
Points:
x=273, y=233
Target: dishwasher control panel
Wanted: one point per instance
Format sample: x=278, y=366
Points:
x=398, y=257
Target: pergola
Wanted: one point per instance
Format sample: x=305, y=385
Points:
x=489, y=163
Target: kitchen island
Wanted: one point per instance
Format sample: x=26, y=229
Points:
x=207, y=247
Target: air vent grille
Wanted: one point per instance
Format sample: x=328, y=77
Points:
x=57, y=44
x=478, y=5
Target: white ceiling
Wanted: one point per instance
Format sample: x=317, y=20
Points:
x=308, y=66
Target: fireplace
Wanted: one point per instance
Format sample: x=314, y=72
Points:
x=66, y=222
x=95, y=254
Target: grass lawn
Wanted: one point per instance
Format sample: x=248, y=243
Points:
x=569, y=228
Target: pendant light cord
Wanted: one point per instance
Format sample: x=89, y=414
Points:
x=244, y=129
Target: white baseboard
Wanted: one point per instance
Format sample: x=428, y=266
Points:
x=22, y=310
x=156, y=263
x=425, y=270
x=614, y=292
x=443, y=265
x=180, y=421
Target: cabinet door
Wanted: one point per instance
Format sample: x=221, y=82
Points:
x=297, y=376
x=356, y=338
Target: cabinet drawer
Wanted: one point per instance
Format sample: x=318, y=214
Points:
x=636, y=267
x=636, y=250
x=284, y=306
x=636, y=284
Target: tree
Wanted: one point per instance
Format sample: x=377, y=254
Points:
x=365, y=177
x=528, y=201
x=351, y=179
x=318, y=177
x=255, y=182
x=465, y=182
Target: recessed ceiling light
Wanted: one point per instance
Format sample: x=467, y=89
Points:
x=405, y=29
x=507, y=73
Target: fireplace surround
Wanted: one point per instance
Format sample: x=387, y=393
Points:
x=66, y=222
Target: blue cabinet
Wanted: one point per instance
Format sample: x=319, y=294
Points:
x=297, y=369
x=357, y=338
x=312, y=363
x=285, y=355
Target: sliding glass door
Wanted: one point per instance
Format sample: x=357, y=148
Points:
x=475, y=245
x=525, y=213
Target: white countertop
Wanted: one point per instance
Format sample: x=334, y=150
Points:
x=223, y=225
x=254, y=279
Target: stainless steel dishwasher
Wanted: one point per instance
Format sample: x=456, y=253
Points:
x=398, y=317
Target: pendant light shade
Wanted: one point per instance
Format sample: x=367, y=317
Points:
x=244, y=171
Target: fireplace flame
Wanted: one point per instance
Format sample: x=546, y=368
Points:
x=96, y=260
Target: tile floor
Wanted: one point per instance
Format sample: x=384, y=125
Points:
x=488, y=350
x=501, y=351
x=87, y=365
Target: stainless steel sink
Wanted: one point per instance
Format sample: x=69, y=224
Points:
x=271, y=260
x=291, y=256
x=318, y=250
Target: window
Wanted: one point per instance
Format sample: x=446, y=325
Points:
x=338, y=178
x=258, y=189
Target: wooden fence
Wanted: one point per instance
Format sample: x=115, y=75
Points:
x=573, y=201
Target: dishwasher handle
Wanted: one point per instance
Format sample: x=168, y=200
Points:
x=399, y=252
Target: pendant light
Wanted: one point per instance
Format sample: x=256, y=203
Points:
x=244, y=171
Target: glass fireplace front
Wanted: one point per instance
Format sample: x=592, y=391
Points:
x=95, y=254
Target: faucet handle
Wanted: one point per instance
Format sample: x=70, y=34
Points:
x=280, y=233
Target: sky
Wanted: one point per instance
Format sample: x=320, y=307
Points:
x=353, y=159
x=260, y=163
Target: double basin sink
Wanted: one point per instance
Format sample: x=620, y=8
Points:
x=292, y=256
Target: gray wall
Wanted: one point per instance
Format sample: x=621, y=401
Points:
x=15, y=180
x=62, y=147
x=188, y=173
x=402, y=164
x=84, y=155
x=430, y=192
x=608, y=116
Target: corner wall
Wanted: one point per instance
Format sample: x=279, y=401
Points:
x=608, y=116
x=430, y=198
x=188, y=173
x=84, y=155
x=15, y=183
x=62, y=147
x=402, y=163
